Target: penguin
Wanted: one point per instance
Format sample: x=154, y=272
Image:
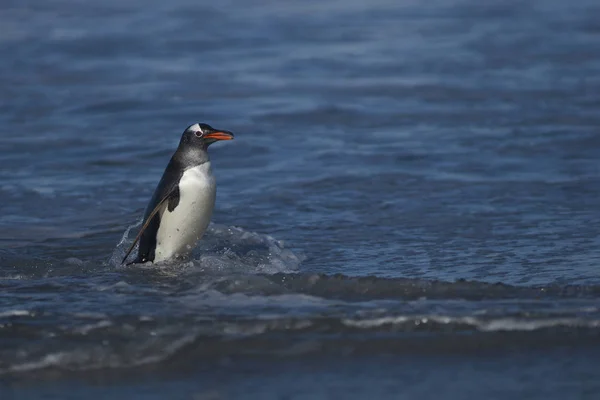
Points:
x=182, y=204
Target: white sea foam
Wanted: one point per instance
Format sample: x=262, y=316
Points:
x=483, y=325
x=98, y=357
x=14, y=313
x=48, y=360
x=515, y=324
x=84, y=330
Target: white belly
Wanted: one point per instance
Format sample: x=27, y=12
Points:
x=181, y=228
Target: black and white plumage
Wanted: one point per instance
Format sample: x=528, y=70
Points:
x=182, y=204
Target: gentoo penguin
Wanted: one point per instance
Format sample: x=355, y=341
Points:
x=182, y=204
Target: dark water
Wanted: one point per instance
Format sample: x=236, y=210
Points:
x=409, y=210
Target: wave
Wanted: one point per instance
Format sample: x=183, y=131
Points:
x=243, y=294
x=110, y=344
x=349, y=288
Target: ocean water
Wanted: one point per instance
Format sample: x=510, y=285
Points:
x=410, y=208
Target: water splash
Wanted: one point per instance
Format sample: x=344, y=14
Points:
x=119, y=251
x=224, y=249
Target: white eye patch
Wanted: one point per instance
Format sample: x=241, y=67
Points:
x=195, y=128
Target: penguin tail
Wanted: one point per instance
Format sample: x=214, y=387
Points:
x=137, y=260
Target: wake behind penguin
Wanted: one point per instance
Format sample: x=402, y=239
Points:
x=182, y=204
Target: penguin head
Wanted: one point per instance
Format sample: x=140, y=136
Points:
x=203, y=135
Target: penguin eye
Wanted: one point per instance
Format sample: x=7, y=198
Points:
x=198, y=133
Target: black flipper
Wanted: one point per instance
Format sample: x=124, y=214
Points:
x=172, y=196
x=173, y=199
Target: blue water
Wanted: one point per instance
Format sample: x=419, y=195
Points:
x=409, y=208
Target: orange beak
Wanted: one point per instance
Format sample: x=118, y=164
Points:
x=219, y=135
